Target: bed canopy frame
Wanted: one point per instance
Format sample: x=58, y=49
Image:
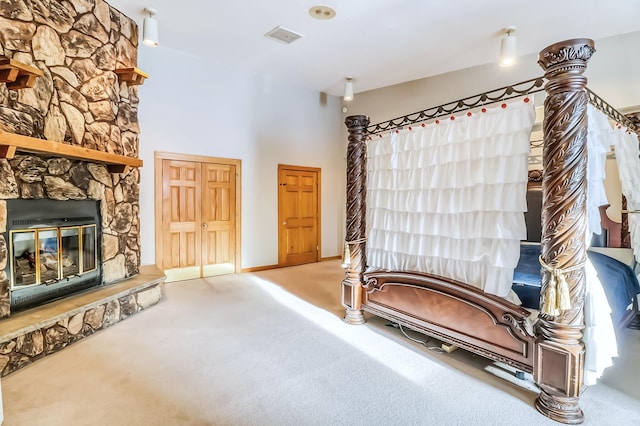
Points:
x=462, y=314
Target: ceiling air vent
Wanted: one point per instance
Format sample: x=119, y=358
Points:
x=282, y=34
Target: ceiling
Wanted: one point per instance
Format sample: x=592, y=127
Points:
x=377, y=42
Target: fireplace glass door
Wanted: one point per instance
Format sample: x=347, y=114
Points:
x=24, y=266
x=88, y=253
x=49, y=266
x=70, y=253
x=58, y=255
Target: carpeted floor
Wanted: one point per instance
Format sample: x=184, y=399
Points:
x=270, y=348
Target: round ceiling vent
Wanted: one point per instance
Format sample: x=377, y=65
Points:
x=322, y=12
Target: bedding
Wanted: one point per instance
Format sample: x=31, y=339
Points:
x=526, y=276
x=618, y=280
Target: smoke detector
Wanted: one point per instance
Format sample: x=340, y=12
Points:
x=322, y=12
x=282, y=34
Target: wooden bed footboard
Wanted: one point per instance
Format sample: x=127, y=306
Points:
x=454, y=312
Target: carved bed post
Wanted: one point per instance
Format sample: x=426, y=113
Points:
x=356, y=217
x=625, y=236
x=559, y=353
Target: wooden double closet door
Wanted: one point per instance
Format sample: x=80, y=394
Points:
x=197, y=211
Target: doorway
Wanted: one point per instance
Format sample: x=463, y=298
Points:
x=197, y=215
x=298, y=215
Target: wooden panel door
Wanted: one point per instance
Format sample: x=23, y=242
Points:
x=181, y=219
x=197, y=217
x=298, y=214
x=218, y=219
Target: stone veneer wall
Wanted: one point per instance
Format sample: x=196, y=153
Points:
x=78, y=44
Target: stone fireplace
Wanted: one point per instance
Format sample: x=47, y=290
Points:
x=85, y=101
x=79, y=101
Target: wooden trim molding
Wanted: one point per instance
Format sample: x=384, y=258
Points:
x=197, y=158
x=268, y=267
x=326, y=259
x=260, y=268
x=10, y=143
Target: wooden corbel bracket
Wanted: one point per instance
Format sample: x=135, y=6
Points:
x=132, y=76
x=18, y=75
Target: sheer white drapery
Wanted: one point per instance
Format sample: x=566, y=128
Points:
x=598, y=144
x=626, y=145
x=448, y=197
x=599, y=335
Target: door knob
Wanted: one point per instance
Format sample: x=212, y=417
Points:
x=284, y=223
x=204, y=225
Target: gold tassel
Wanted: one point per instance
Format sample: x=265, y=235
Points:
x=549, y=307
x=346, y=256
x=558, y=297
x=564, y=298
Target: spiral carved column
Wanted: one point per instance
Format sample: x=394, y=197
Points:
x=356, y=217
x=559, y=354
x=625, y=236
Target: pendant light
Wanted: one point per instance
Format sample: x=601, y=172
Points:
x=508, y=48
x=150, y=28
x=348, y=90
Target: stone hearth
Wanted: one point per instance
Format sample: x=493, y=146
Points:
x=33, y=334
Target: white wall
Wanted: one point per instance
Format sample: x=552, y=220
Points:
x=195, y=106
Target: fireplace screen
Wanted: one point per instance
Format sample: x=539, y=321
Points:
x=48, y=255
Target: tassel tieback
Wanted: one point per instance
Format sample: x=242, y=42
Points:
x=346, y=256
x=557, y=297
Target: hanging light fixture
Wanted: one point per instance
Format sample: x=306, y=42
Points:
x=508, y=49
x=150, y=28
x=348, y=90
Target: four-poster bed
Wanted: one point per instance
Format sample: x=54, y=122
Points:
x=465, y=315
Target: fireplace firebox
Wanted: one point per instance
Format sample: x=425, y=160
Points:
x=54, y=249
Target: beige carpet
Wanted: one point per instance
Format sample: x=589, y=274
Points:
x=270, y=348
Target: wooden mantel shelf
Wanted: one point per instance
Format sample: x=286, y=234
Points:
x=10, y=143
x=17, y=75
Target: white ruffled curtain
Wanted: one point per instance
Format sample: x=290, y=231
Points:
x=626, y=144
x=598, y=144
x=448, y=197
x=598, y=336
